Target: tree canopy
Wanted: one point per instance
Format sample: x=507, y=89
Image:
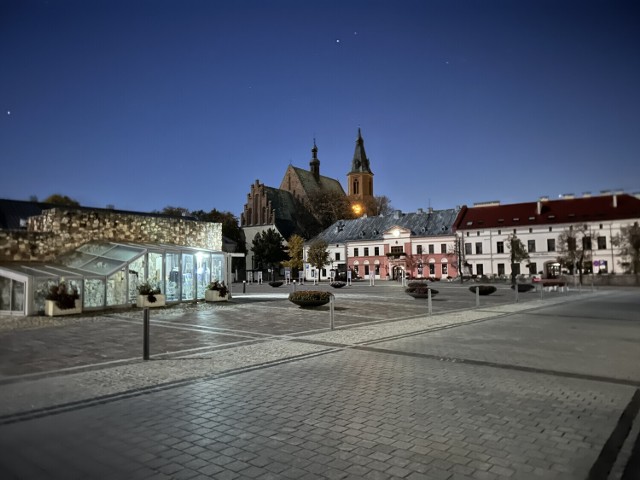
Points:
x=328, y=207
x=518, y=253
x=296, y=250
x=268, y=249
x=61, y=200
x=318, y=255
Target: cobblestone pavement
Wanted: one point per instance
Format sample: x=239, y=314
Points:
x=533, y=390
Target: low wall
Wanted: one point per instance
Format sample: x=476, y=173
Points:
x=61, y=230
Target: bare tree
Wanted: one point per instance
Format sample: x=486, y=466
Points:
x=628, y=240
x=574, y=248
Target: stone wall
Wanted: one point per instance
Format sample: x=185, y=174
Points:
x=61, y=230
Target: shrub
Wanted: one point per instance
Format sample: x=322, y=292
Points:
x=337, y=284
x=421, y=290
x=276, y=283
x=309, y=298
x=417, y=284
x=219, y=286
x=524, y=287
x=483, y=289
x=64, y=295
x=145, y=288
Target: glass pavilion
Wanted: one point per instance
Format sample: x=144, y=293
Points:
x=107, y=274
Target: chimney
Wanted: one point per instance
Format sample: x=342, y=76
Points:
x=539, y=209
x=586, y=194
x=615, y=200
x=397, y=214
x=568, y=196
x=420, y=211
x=544, y=198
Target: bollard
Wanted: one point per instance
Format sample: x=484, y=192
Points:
x=477, y=296
x=331, y=313
x=294, y=285
x=515, y=287
x=429, y=305
x=244, y=286
x=541, y=289
x=145, y=334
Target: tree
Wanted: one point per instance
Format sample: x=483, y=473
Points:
x=296, y=250
x=230, y=226
x=318, y=255
x=329, y=206
x=518, y=253
x=61, y=200
x=628, y=240
x=174, y=211
x=268, y=250
x=456, y=252
x=574, y=249
x=382, y=205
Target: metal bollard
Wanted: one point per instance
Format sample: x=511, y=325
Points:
x=294, y=285
x=429, y=305
x=244, y=286
x=541, y=289
x=145, y=334
x=515, y=287
x=477, y=296
x=331, y=312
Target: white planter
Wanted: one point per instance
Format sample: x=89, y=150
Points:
x=143, y=301
x=52, y=310
x=214, y=296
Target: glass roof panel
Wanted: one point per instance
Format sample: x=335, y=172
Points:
x=96, y=248
x=76, y=259
x=103, y=266
x=120, y=252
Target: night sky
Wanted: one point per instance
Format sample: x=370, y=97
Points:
x=147, y=103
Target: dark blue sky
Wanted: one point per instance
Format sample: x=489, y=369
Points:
x=148, y=103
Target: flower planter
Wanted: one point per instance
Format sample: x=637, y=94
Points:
x=52, y=310
x=143, y=301
x=276, y=284
x=309, y=298
x=214, y=296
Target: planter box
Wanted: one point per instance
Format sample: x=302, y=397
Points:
x=214, y=296
x=52, y=310
x=143, y=301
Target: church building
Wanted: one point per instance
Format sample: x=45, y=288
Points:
x=288, y=209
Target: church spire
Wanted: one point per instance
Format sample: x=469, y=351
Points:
x=360, y=162
x=314, y=164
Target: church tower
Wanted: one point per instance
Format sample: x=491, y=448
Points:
x=360, y=180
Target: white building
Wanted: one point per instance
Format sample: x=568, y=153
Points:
x=484, y=230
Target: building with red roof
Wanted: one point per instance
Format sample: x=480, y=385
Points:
x=484, y=230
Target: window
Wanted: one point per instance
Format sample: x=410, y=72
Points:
x=366, y=269
x=571, y=244
x=551, y=229
x=531, y=230
x=480, y=269
x=396, y=249
x=533, y=268
x=531, y=245
x=467, y=249
x=586, y=243
x=376, y=251
x=337, y=256
x=443, y=248
x=419, y=249
x=515, y=268
x=356, y=253
x=477, y=234
x=500, y=247
x=514, y=231
x=366, y=251
x=602, y=243
x=432, y=269
x=445, y=269
x=431, y=248
x=501, y=269
x=499, y=232
x=478, y=248
x=551, y=244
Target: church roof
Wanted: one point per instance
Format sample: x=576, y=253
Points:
x=360, y=162
x=290, y=216
x=421, y=224
x=311, y=185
